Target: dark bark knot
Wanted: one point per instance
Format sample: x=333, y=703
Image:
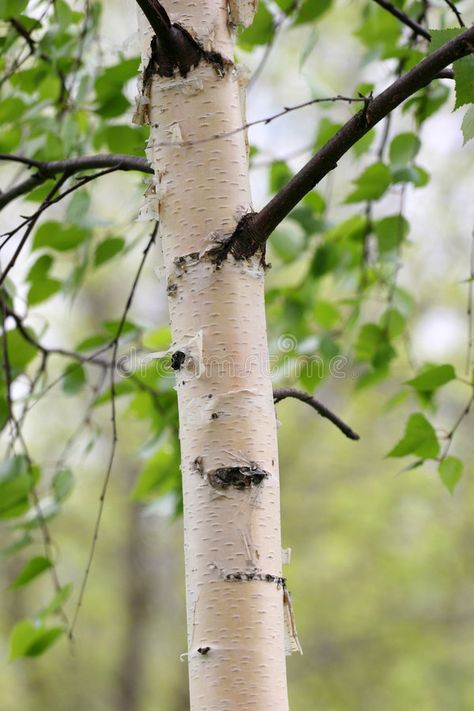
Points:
x=242, y=244
x=204, y=650
x=255, y=575
x=242, y=477
x=177, y=360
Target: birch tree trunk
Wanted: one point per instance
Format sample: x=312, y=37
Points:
x=234, y=585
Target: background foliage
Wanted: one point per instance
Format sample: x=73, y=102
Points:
x=369, y=304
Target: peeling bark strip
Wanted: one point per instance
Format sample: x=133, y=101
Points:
x=236, y=632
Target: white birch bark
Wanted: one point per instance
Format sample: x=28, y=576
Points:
x=235, y=595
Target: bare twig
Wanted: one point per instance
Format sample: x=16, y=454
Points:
x=450, y=436
x=470, y=294
x=403, y=17
x=113, y=418
x=49, y=169
x=32, y=219
x=282, y=393
x=456, y=12
x=27, y=335
x=57, y=186
x=18, y=434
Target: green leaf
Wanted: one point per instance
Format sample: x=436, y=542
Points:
x=372, y=184
x=122, y=139
x=11, y=109
x=160, y=473
x=287, y=6
x=108, y=249
x=372, y=345
x=11, y=8
x=325, y=259
x=379, y=32
x=468, y=125
x=34, y=568
x=450, y=471
x=463, y=68
x=394, y=322
x=93, y=342
x=31, y=640
x=419, y=438
x=287, y=241
x=74, y=378
x=391, y=232
x=410, y=174
x=280, y=174
x=60, y=237
x=260, y=31
x=326, y=314
x=16, y=482
x=42, y=290
x=62, y=484
x=112, y=327
x=40, y=268
x=310, y=10
x=404, y=149
x=78, y=207
x=158, y=340
x=433, y=378
x=326, y=130
x=20, y=351
x=109, y=85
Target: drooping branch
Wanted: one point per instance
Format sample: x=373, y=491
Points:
x=71, y=166
x=406, y=19
x=282, y=393
x=254, y=229
x=113, y=419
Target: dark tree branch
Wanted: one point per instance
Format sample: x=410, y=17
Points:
x=254, y=229
x=49, y=169
x=406, y=19
x=173, y=47
x=282, y=393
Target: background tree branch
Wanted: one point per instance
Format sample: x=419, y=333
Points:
x=49, y=169
x=283, y=393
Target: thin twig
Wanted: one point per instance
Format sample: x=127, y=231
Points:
x=108, y=472
x=44, y=349
x=32, y=219
x=57, y=186
x=456, y=12
x=403, y=17
x=18, y=434
x=282, y=393
x=450, y=436
x=470, y=293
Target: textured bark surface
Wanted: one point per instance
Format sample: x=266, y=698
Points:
x=235, y=591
